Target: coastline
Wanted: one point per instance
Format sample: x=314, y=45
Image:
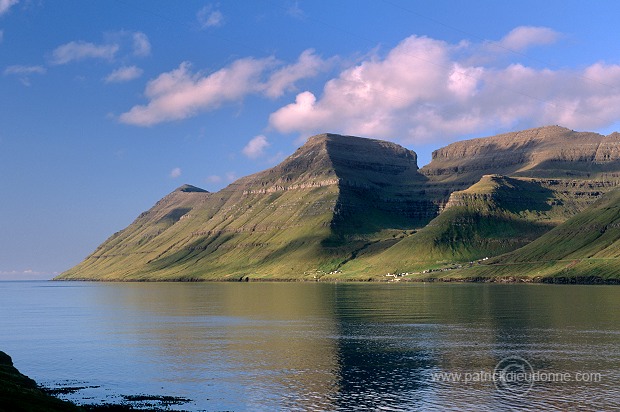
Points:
x=19, y=393
x=555, y=280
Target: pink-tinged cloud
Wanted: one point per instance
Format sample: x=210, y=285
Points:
x=80, y=50
x=181, y=93
x=369, y=97
x=425, y=89
x=176, y=172
x=24, y=70
x=124, y=74
x=209, y=16
x=524, y=37
x=141, y=44
x=5, y=5
x=307, y=66
x=256, y=147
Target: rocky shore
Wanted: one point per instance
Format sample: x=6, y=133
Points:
x=20, y=393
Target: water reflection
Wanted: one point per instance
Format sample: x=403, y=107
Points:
x=289, y=346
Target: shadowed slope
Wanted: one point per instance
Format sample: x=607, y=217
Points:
x=586, y=246
x=496, y=215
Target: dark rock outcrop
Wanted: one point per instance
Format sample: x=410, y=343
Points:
x=20, y=393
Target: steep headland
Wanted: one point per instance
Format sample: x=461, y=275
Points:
x=302, y=217
x=345, y=207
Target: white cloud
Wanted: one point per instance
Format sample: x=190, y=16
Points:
x=27, y=274
x=5, y=5
x=308, y=65
x=213, y=179
x=209, y=16
x=368, y=97
x=80, y=50
x=24, y=70
x=124, y=74
x=176, y=172
x=1, y=36
x=524, y=37
x=141, y=45
x=181, y=93
x=122, y=44
x=426, y=89
x=256, y=147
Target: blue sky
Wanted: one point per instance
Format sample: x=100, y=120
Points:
x=109, y=105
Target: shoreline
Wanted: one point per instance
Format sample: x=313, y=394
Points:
x=19, y=392
x=559, y=280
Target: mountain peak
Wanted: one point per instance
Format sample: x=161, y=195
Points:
x=354, y=149
x=189, y=189
x=331, y=158
x=551, y=150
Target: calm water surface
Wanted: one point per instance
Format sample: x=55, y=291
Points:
x=292, y=346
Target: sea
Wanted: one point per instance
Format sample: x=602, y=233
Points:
x=318, y=346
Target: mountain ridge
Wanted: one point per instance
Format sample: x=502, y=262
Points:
x=304, y=212
x=346, y=207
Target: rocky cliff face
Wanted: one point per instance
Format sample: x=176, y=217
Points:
x=553, y=149
x=577, y=166
x=336, y=159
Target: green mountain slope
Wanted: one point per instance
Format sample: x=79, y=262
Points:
x=301, y=217
x=344, y=207
x=496, y=215
x=585, y=246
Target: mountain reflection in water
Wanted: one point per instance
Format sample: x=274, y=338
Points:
x=302, y=346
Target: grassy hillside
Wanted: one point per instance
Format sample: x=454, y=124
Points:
x=496, y=215
x=585, y=246
x=343, y=207
x=231, y=237
x=296, y=220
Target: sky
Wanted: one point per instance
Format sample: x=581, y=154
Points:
x=107, y=106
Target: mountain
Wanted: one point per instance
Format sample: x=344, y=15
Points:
x=496, y=215
x=345, y=207
x=587, y=246
x=305, y=215
x=545, y=152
